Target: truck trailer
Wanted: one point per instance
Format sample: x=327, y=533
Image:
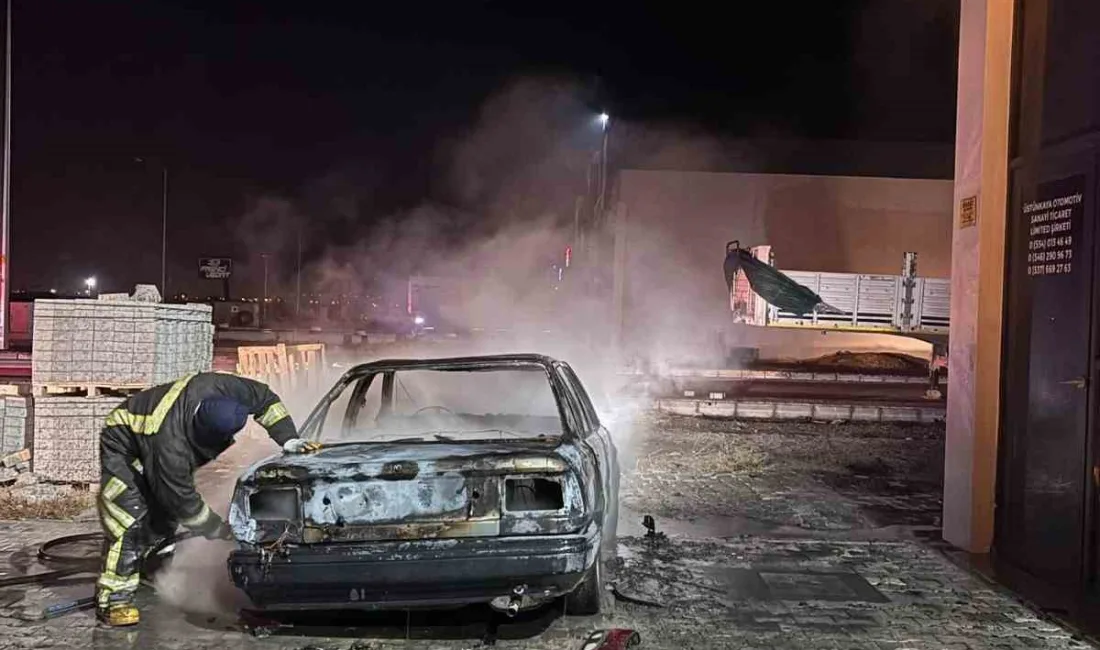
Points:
x=901, y=305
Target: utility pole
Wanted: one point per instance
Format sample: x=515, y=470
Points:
x=298, y=281
x=5, y=219
x=577, y=226
x=263, y=305
x=164, y=233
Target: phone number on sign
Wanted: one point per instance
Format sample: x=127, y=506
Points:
x=1050, y=269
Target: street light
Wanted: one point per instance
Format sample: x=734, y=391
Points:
x=89, y=284
x=163, y=226
x=605, y=122
x=298, y=281
x=164, y=231
x=5, y=192
x=263, y=306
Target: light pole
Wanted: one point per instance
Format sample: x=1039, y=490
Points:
x=298, y=281
x=263, y=308
x=605, y=123
x=89, y=285
x=5, y=219
x=163, y=228
x=164, y=232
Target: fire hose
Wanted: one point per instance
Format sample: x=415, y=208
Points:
x=78, y=568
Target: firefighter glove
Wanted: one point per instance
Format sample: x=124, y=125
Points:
x=300, y=446
x=216, y=528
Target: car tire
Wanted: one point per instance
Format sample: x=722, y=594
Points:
x=587, y=598
x=609, y=540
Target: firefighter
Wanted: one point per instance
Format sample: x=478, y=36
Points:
x=149, y=449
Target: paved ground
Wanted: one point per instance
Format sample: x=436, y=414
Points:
x=781, y=536
x=747, y=592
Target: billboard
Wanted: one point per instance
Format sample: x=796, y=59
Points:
x=215, y=268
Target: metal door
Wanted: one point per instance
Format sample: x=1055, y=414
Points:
x=1048, y=365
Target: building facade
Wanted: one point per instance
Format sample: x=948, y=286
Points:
x=1022, y=460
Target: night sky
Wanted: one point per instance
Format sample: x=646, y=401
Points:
x=247, y=100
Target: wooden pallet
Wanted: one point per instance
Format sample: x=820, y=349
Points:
x=284, y=367
x=15, y=390
x=85, y=389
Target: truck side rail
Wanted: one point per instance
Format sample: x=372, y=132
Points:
x=870, y=303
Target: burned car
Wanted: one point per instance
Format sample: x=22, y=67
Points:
x=442, y=482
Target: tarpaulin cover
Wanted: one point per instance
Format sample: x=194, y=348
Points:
x=769, y=283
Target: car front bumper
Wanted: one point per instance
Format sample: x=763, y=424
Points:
x=418, y=573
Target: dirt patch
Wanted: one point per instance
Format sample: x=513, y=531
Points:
x=855, y=362
x=705, y=455
x=806, y=475
x=64, y=506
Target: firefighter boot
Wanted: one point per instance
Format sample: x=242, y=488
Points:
x=118, y=614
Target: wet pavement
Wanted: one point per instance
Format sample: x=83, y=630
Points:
x=780, y=536
x=749, y=592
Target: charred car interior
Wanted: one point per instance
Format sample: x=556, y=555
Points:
x=441, y=482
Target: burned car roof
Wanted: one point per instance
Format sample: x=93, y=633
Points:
x=480, y=363
x=486, y=362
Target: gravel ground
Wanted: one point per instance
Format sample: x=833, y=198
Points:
x=797, y=475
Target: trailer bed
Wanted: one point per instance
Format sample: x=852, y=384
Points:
x=888, y=304
x=871, y=303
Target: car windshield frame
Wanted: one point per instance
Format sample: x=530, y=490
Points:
x=313, y=427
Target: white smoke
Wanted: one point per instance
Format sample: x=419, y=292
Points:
x=196, y=580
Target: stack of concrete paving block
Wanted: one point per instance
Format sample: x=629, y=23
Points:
x=15, y=465
x=119, y=343
x=14, y=423
x=184, y=341
x=66, y=437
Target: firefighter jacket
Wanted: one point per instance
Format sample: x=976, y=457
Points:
x=153, y=431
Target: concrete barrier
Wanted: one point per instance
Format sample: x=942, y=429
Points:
x=800, y=411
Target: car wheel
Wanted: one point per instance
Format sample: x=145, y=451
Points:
x=587, y=598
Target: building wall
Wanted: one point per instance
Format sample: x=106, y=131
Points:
x=1045, y=537
x=676, y=224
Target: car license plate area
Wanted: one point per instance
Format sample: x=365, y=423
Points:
x=449, y=505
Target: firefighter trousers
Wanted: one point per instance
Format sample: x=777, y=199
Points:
x=131, y=527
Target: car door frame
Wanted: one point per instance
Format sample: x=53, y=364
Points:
x=595, y=438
